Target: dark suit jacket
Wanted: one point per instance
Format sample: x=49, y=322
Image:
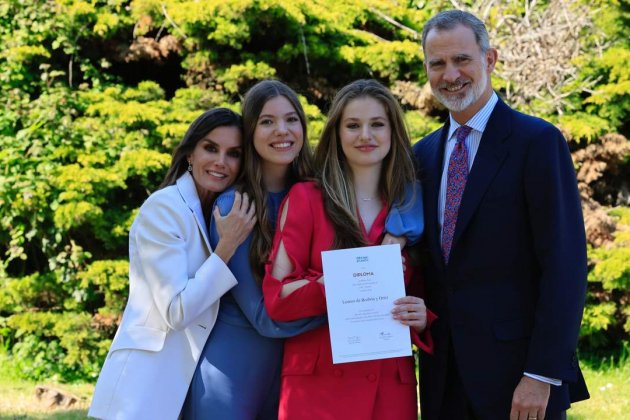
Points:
x=512, y=295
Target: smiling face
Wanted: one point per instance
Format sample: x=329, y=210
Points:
x=216, y=160
x=279, y=135
x=458, y=71
x=365, y=132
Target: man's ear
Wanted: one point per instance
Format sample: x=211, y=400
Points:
x=425, y=66
x=491, y=59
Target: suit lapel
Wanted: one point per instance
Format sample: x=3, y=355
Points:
x=490, y=156
x=433, y=163
x=186, y=187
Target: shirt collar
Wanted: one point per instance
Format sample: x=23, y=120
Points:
x=479, y=120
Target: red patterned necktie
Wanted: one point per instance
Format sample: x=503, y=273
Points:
x=456, y=181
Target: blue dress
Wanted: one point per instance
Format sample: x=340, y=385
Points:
x=238, y=374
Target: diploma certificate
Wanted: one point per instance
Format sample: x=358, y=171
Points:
x=361, y=285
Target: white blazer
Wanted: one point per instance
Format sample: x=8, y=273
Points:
x=175, y=283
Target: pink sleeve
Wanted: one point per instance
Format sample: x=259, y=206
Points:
x=297, y=237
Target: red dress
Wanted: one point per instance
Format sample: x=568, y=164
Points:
x=312, y=387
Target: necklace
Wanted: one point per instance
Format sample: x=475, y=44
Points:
x=367, y=199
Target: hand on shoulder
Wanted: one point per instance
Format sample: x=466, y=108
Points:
x=234, y=227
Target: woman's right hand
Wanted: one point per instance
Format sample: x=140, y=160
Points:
x=411, y=311
x=234, y=227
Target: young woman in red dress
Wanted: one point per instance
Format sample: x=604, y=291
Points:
x=364, y=163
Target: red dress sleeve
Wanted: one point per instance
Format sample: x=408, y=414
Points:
x=415, y=287
x=297, y=235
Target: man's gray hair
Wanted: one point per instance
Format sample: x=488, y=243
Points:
x=449, y=19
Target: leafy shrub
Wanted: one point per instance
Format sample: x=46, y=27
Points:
x=607, y=316
x=57, y=345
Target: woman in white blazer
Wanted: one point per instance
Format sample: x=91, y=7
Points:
x=175, y=278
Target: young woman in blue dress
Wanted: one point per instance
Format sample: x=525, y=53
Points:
x=238, y=375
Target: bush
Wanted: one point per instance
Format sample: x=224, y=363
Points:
x=63, y=346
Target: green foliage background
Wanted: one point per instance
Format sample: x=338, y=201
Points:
x=94, y=95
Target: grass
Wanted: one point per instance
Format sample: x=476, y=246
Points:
x=609, y=385
x=18, y=401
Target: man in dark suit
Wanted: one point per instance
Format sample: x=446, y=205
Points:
x=507, y=267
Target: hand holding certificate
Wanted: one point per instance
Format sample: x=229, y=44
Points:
x=361, y=287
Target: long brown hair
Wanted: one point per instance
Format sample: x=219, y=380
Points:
x=203, y=124
x=335, y=175
x=252, y=181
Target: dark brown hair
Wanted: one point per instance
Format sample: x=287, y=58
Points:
x=203, y=124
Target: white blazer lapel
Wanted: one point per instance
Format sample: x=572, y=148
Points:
x=188, y=191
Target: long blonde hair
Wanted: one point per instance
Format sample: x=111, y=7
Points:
x=335, y=176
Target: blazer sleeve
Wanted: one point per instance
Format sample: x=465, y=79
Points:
x=557, y=226
x=297, y=237
x=414, y=282
x=163, y=234
x=424, y=340
x=248, y=294
x=407, y=218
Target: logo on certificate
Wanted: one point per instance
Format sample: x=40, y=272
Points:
x=385, y=335
x=354, y=339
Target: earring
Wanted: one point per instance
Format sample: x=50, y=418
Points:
x=189, y=167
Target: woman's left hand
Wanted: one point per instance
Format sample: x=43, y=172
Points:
x=411, y=311
x=234, y=227
x=400, y=240
x=389, y=239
